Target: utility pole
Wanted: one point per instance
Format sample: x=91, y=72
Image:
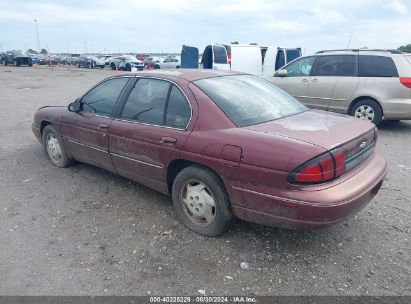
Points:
x=37, y=35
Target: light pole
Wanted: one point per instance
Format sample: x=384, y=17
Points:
x=37, y=36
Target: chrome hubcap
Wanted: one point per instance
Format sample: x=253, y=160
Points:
x=365, y=112
x=53, y=148
x=198, y=203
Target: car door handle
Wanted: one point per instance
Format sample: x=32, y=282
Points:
x=102, y=126
x=314, y=80
x=168, y=140
x=304, y=80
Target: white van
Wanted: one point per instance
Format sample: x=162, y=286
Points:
x=234, y=57
x=247, y=58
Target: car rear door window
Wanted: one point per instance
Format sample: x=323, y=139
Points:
x=147, y=101
x=102, y=99
x=178, y=110
x=220, y=54
x=335, y=65
x=376, y=66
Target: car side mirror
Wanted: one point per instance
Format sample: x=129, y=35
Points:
x=281, y=73
x=74, y=106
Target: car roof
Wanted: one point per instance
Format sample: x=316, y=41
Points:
x=186, y=74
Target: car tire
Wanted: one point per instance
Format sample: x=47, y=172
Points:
x=78, y=65
x=201, y=202
x=177, y=67
x=102, y=67
x=113, y=66
x=128, y=67
x=367, y=109
x=92, y=65
x=54, y=148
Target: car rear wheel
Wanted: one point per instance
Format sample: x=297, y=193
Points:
x=128, y=67
x=367, y=109
x=201, y=202
x=54, y=148
x=113, y=66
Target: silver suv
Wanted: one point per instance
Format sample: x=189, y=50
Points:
x=368, y=84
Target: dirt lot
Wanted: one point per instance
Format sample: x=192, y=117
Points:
x=84, y=231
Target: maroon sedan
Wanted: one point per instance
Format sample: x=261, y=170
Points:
x=224, y=145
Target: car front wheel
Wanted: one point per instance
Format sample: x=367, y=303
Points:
x=54, y=148
x=367, y=109
x=201, y=202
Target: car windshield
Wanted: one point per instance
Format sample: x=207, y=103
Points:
x=19, y=53
x=129, y=57
x=249, y=100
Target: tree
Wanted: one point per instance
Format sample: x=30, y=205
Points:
x=405, y=48
x=44, y=52
x=31, y=51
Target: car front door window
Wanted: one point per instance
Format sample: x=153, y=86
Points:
x=147, y=101
x=102, y=99
x=301, y=67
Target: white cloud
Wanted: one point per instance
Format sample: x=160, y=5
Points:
x=398, y=7
x=328, y=16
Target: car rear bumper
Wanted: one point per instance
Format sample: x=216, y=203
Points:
x=397, y=109
x=312, y=209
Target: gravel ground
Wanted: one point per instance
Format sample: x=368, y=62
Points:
x=84, y=231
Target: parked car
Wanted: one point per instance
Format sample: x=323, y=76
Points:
x=33, y=58
x=223, y=145
x=368, y=84
x=148, y=60
x=89, y=62
x=72, y=59
x=17, y=58
x=168, y=63
x=55, y=60
x=126, y=63
x=42, y=59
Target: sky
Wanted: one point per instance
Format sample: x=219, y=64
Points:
x=164, y=26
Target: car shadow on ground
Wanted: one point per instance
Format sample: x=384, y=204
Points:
x=394, y=125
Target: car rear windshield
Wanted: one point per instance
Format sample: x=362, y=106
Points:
x=249, y=100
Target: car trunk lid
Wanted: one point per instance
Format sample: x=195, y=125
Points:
x=331, y=131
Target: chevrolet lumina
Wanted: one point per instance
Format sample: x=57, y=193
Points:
x=224, y=145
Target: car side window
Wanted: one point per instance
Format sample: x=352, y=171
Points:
x=300, y=67
x=178, y=111
x=335, y=65
x=102, y=99
x=376, y=66
x=147, y=101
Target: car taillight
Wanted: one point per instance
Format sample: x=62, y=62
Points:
x=229, y=58
x=321, y=169
x=406, y=81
